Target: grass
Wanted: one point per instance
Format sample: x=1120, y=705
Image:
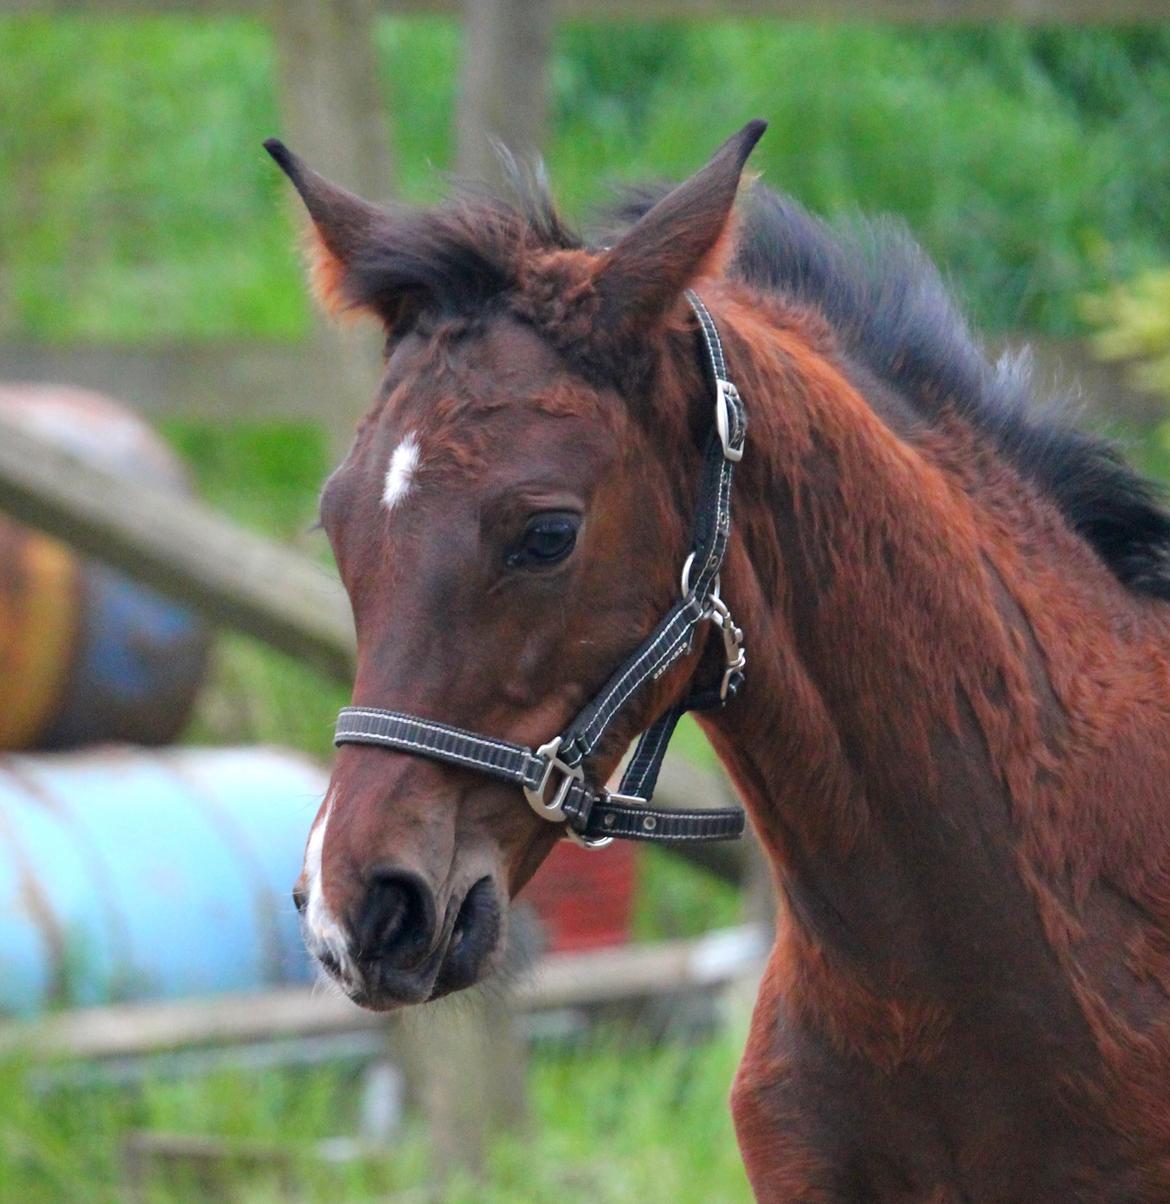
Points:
x=611, y=1123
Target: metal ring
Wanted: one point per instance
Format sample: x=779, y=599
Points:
x=685, y=581
x=588, y=842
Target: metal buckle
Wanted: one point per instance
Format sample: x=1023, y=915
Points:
x=727, y=395
x=553, y=811
x=735, y=656
x=587, y=842
x=607, y=796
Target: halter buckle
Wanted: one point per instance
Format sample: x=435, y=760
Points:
x=553, y=810
x=734, y=654
x=729, y=419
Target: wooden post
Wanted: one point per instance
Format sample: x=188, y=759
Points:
x=466, y=1065
x=334, y=118
x=331, y=101
x=467, y=1061
x=504, y=86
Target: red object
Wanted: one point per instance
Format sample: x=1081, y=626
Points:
x=585, y=897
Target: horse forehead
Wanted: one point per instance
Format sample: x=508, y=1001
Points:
x=468, y=360
x=460, y=392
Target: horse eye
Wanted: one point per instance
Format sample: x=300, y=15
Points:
x=546, y=541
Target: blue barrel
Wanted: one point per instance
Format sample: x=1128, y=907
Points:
x=86, y=654
x=130, y=874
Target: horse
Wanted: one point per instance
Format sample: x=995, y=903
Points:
x=953, y=736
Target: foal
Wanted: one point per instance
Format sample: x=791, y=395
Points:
x=954, y=735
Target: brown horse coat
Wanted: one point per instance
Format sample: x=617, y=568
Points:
x=954, y=740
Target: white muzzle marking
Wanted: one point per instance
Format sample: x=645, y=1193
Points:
x=323, y=934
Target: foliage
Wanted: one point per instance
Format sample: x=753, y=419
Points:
x=125, y=210
x=660, y=1114
x=1035, y=164
x=1134, y=324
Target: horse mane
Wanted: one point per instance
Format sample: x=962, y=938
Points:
x=891, y=312
x=890, y=308
x=885, y=301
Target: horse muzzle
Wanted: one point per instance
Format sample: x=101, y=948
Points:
x=398, y=950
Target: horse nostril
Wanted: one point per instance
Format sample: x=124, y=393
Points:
x=397, y=923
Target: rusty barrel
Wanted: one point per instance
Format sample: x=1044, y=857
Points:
x=87, y=655
x=141, y=874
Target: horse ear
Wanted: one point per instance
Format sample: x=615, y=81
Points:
x=680, y=239
x=343, y=225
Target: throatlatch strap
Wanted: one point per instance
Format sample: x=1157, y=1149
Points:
x=596, y=814
x=641, y=774
x=632, y=821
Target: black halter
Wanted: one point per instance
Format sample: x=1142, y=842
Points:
x=553, y=776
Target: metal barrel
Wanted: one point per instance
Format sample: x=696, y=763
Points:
x=140, y=874
x=85, y=654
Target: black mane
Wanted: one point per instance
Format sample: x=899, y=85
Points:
x=892, y=312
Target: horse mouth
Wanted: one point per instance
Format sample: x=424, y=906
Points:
x=458, y=960
x=475, y=936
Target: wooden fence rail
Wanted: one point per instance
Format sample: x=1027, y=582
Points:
x=179, y=547
x=562, y=980
x=229, y=380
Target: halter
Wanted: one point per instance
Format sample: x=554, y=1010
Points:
x=553, y=776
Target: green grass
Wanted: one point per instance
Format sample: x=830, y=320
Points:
x=611, y=1123
x=125, y=210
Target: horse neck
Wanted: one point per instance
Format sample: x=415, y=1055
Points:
x=896, y=696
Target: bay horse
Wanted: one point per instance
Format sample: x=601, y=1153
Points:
x=953, y=738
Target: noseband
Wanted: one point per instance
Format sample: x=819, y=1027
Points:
x=553, y=776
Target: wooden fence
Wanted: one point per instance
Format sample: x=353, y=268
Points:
x=563, y=980
x=257, y=380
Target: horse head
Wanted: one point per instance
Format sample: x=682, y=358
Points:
x=509, y=523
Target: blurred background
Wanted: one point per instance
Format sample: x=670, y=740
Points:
x=173, y=644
